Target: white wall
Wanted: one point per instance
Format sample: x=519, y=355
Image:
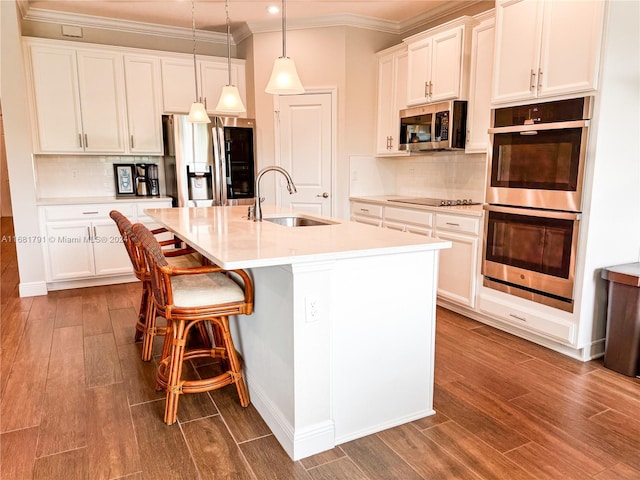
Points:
x=611, y=230
x=19, y=158
x=337, y=57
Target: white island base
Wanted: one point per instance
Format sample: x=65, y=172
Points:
x=337, y=350
x=341, y=341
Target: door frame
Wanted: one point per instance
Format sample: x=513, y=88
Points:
x=333, y=91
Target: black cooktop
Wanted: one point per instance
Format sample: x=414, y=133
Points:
x=435, y=202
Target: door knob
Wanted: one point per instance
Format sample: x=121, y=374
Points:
x=323, y=195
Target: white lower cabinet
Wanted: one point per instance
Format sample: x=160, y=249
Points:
x=368, y=213
x=458, y=274
x=82, y=242
x=408, y=220
x=552, y=326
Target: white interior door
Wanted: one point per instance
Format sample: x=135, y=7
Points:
x=305, y=138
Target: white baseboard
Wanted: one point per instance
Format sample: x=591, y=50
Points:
x=90, y=282
x=298, y=444
x=32, y=289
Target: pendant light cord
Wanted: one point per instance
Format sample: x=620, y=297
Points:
x=193, y=30
x=284, y=32
x=226, y=10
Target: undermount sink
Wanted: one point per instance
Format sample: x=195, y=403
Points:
x=296, y=221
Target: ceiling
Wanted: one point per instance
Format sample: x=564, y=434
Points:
x=390, y=15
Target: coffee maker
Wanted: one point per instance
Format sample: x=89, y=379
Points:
x=151, y=174
x=147, y=183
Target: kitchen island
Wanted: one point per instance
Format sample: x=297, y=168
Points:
x=341, y=341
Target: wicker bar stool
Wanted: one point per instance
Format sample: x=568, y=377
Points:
x=188, y=297
x=146, y=328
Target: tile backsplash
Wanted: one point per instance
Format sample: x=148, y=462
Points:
x=79, y=176
x=438, y=175
x=442, y=175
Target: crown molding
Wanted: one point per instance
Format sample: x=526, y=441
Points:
x=119, y=25
x=245, y=30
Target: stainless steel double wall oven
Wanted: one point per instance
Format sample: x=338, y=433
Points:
x=534, y=199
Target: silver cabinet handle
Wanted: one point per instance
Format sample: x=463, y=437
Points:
x=430, y=89
x=539, y=79
x=86, y=141
x=364, y=210
x=390, y=142
x=95, y=234
x=452, y=224
x=323, y=195
x=426, y=89
x=80, y=140
x=131, y=142
x=90, y=213
x=522, y=319
x=89, y=232
x=532, y=83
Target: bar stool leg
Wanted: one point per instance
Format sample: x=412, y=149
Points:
x=149, y=331
x=234, y=363
x=142, y=313
x=174, y=387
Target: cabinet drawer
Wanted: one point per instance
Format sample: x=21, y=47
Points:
x=87, y=211
x=553, y=327
x=405, y=215
x=367, y=209
x=142, y=206
x=458, y=223
x=376, y=222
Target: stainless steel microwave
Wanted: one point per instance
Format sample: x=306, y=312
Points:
x=438, y=126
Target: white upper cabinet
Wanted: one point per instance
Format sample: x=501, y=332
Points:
x=100, y=77
x=179, y=86
x=546, y=48
x=392, y=97
x=78, y=100
x=144, y=104
x=479, y=108
x=438, y=64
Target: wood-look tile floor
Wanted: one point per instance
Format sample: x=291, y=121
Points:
x=78, y=403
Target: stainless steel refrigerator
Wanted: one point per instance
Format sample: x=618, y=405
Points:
x=209, y=164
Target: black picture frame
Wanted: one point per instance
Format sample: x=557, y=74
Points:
x=124, y=176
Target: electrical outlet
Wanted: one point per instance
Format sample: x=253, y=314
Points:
x=74, y=173
x=312, y=309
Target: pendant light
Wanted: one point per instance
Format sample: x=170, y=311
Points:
x=284, y=77
x=230, y=101
x=197, y=112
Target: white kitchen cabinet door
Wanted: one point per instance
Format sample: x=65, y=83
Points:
x=419, y=71
x=144, y=104
x=517, y=49
x=392, y=97
x=213, y=76
x=110, y=254
x=70, y=251
x=570, y=50
x=56, y=99
x=457, y=271
x=101, y=80
x=178, y=84
x=446, y=65
x=546, y=49
x=479, y=107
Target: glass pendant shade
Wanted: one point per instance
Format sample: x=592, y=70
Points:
x=284, y=78
x=230, y=101
x=198, y=114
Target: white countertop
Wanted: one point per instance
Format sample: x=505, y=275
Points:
x=93, y=200
x=228, y=238
x=471, y=210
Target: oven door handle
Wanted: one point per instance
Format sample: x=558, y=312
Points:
x=533, y=212
x=540, y=126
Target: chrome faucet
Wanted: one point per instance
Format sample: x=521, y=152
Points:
x=257, y=209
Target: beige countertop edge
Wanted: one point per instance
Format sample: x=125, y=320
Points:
x=471, y=210
x=224, y=235
x=89, y=200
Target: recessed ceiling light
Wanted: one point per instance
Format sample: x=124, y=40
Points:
x=273, y=9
